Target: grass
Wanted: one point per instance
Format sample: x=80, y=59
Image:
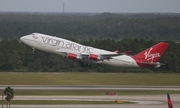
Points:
x=89, y=92
x=56, y=102
x=156, y=79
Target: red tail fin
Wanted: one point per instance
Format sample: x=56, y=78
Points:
x=153, y=53
x=169, y=101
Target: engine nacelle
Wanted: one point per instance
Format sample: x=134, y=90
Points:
x=73, y=56
x=157, y=65
x=94, y=57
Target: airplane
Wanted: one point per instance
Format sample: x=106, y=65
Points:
x=72, y=50
x=170, y=105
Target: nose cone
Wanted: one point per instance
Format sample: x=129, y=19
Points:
x=30, y=40
x=22, y=38
x=26, y=39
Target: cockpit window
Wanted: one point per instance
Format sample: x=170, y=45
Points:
x=34, y=36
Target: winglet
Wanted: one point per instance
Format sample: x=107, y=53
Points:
x=169, y=101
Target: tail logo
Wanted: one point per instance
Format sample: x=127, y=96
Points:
x=149, y=56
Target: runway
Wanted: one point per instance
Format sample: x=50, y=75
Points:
x=142, y=101
x=91, y=106
x=80, y=87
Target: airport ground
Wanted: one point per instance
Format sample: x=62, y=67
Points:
x=76, y=86
x=141, y=101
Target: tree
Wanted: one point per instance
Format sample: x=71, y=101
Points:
x=9, y=92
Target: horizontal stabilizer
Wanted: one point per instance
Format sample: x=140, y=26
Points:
x=150, y=63
x=155, y=65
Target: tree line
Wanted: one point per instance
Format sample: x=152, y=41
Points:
x=16, y=56
x=103, y=25
x=109, y=31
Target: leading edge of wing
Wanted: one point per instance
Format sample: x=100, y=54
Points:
x=86, y=55
x=101, y=56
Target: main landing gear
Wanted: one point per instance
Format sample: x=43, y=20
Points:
x=33, y=50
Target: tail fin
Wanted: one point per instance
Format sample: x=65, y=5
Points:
x=153, y=53
x=169, y=101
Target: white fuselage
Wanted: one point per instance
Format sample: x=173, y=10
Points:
x=59, y=46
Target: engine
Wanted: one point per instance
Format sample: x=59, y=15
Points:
x=72, y=56
x=157, y=65
x=94, y=57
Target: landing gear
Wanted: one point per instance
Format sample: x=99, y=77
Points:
x=33, y=50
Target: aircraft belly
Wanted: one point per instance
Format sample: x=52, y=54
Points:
x=124, y=61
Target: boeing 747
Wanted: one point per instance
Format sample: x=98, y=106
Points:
x=73, y=50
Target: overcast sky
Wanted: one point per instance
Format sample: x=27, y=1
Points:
x=115, y=6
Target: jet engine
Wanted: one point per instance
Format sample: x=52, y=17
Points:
x=157, y=65
x=73, y=56
x=94, y=57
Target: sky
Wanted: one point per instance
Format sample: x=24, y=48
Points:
x=92, y=6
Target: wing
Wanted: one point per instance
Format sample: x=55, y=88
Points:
x=99, y=56
x=74, y=55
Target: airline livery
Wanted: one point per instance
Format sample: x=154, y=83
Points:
x=73, y=50
x=170, y=105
